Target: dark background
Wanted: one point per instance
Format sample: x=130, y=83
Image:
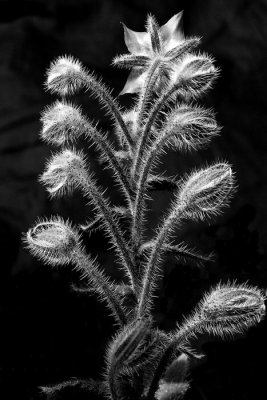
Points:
x=48, y=332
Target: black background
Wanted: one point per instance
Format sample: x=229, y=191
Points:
x=48, y=332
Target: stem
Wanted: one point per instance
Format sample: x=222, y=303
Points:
x=140, y=195
x=90, y=189
x=147, y=88
x=148, y=281
x=101, y=92
x=158, y=105
x=105, y=147
x=101, y=284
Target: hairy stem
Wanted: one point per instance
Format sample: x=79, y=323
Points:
x=100, y=283
x=106, y=148
x=145, y=135
x=151, y=269
x=90, y=189
x=139, y=207
x=147, y=89
x=101, y=92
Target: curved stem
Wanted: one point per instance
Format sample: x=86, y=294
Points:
x=141, y=186
x=147, y=89
x=106, y=147
x=149, y=278
x=100, y=283
x=91, y=190
x=101, y=92
x=158, y=105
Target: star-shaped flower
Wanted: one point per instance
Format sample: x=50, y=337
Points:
x=166, y=42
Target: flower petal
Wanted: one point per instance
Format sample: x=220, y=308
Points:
x=137, y=42
x=134, y=82
x=172, y=32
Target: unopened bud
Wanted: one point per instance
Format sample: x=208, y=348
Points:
x=177, y=371
x=194, y=74
x=171, y=391
x=204, y=192
x=53, y=241
x=63, y=172
x=193, y=127
x=65, y=76
x=62, y=123
x=228, y=309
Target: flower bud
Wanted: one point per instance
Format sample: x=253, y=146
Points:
x=177, y=371
x=204, y=192
x=193, y=127
x=63, y=172
x=194, y=74
x=53, y=241
x=62, y=123
x=65, y=76
x=171, y=391
x=230, y=309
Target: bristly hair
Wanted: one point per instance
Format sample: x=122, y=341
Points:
x=167, y=77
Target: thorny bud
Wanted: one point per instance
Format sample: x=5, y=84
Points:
x=195, y=125
x=194, y=74
x=65, y=76
x=204, y=192
x=178, y=370
x=63, y=172
x=53, y=241
x=62, y=123
x=171, y=391
x=231, y=309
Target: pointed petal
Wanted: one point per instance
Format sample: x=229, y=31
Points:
x=172, y=32
x=134, y=82
x=137, y=42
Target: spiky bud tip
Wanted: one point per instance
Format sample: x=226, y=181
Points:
x=63, y=172
x=65, y=76
x=53, y=241
x=62, y=123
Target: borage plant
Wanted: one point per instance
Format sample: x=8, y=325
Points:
x=166, y=77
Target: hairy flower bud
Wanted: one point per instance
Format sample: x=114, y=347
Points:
x=204, y=192
x=65, y=76
x=63, y=171
x=62, y=123
x=171, y=391
x=53, y=241
x=194, y=74
x=177, y=370
x=231, y=309
x=192, y=127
